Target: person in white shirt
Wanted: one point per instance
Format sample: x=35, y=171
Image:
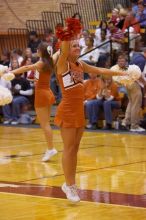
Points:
x=92, y=57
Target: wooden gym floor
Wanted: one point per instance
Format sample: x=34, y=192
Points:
x=111, y=177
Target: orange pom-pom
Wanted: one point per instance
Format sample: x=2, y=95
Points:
x=73, y=29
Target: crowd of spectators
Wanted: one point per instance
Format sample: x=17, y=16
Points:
x=101, y=94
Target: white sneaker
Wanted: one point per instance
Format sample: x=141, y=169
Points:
x=48, y=154
x=71, y=192
x=89, y=126
x=138, y=129
x=6, y=122
x=14, y=122
x=123, y=124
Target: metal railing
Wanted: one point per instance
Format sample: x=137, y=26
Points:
x=4, y=43
x=15, y=38
x=99, y=46
x=52, y=18
x=92, y=10
x=68, y=10
x=37, y=25
x=18, y=38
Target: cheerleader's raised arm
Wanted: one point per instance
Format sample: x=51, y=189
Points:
x=101, y=71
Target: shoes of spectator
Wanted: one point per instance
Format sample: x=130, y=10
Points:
x=124, y=127
x=137, y=129
x=6, y=122
x=89, y=126
x=48, y=154
x=14, y=122
x=108, y=127
x=71, y=192
x=92, y=126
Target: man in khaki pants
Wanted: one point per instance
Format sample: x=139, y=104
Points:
x=132, y=115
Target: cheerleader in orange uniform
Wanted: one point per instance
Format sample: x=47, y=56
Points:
x=70, y=112
x=44, y=97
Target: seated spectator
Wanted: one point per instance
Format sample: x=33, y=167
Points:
x=102, y=26
x=107, y=98
x=21, y=90
x=84, y=35
x=134, y=6
x=34, y=41
x=117, y=37
x=92, y=86
x=5, y=58
x=115, y=16
x=122, y=16
x=139, y=59
x=134, y=30
x=16, y=54
x=29, y=75
x=141, y=14
x=103, y=50
x=92, y=57
x=27, y=53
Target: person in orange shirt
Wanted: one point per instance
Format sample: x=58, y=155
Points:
x=92, y=86
x=111, y=100
x=106, y=98
x=70, y=112
x=44, y=97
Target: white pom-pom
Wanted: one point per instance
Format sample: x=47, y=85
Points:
x=3, y=69
x=5, y=96
x=134, y=72
x=8, y=76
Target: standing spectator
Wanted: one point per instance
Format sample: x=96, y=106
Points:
x=50, y=39
x=5, y=58
x=132, y=115
x=34, y=41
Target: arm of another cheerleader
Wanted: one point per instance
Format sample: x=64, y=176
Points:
x=37, y=66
